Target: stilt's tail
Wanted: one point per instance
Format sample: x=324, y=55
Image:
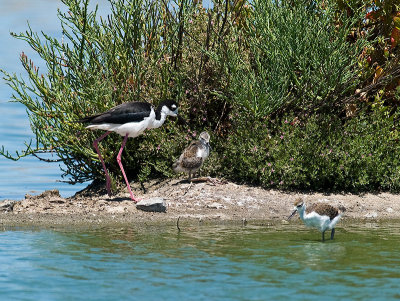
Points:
x=87, y=119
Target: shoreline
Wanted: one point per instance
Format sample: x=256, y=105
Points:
x=202, y=202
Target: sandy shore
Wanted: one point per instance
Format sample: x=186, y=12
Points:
x=201, y=202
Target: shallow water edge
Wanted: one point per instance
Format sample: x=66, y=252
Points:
x=11, y=221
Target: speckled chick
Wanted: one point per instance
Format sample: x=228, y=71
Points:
x=193, y=157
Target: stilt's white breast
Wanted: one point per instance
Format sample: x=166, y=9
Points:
x=321, y=222
x=313, y=219
x=202, y=152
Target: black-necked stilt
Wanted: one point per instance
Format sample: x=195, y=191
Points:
x=193, y=157
x=129, y=119
x=321, y=216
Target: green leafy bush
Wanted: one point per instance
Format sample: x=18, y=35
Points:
x=272, y=81
x=298, y=59
x=316, y=154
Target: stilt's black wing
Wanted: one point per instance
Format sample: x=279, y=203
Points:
x=123, y=113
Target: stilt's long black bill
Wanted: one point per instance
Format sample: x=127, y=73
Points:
x=293, y=213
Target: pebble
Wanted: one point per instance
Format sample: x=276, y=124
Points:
x=215, y=205
x=7, y=205
x=372, y=214
x=152, y=205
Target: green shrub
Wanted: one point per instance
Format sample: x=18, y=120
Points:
x=268, y=80
x=316, y=154
x=300, y=60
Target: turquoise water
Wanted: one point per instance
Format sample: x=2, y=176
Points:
x=201, y=263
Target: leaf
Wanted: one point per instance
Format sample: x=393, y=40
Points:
x=395, y=37
x=396, y=21
x=378, y=73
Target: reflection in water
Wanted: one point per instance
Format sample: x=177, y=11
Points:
x=316, y=253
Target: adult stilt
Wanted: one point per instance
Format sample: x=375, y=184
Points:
x=128, y=119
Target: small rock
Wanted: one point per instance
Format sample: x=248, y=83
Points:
x=324, y=201
x=7, y=205
x=152, y=205
x=215, y=205
x=48, y=194
x=372, y=214
x=58, y=201
x=389, y=209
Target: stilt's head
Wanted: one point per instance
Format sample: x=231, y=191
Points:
x=298, y=206
x=205, y=137
x=169, y=107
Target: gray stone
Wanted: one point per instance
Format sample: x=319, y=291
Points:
x=372, y=214
x=7, y=205
x=215, y=205
x=152, y=205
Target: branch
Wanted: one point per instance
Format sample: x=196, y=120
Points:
x=6, y=154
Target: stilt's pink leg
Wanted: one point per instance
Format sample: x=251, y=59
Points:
x=96, y=146
x=122, y=168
